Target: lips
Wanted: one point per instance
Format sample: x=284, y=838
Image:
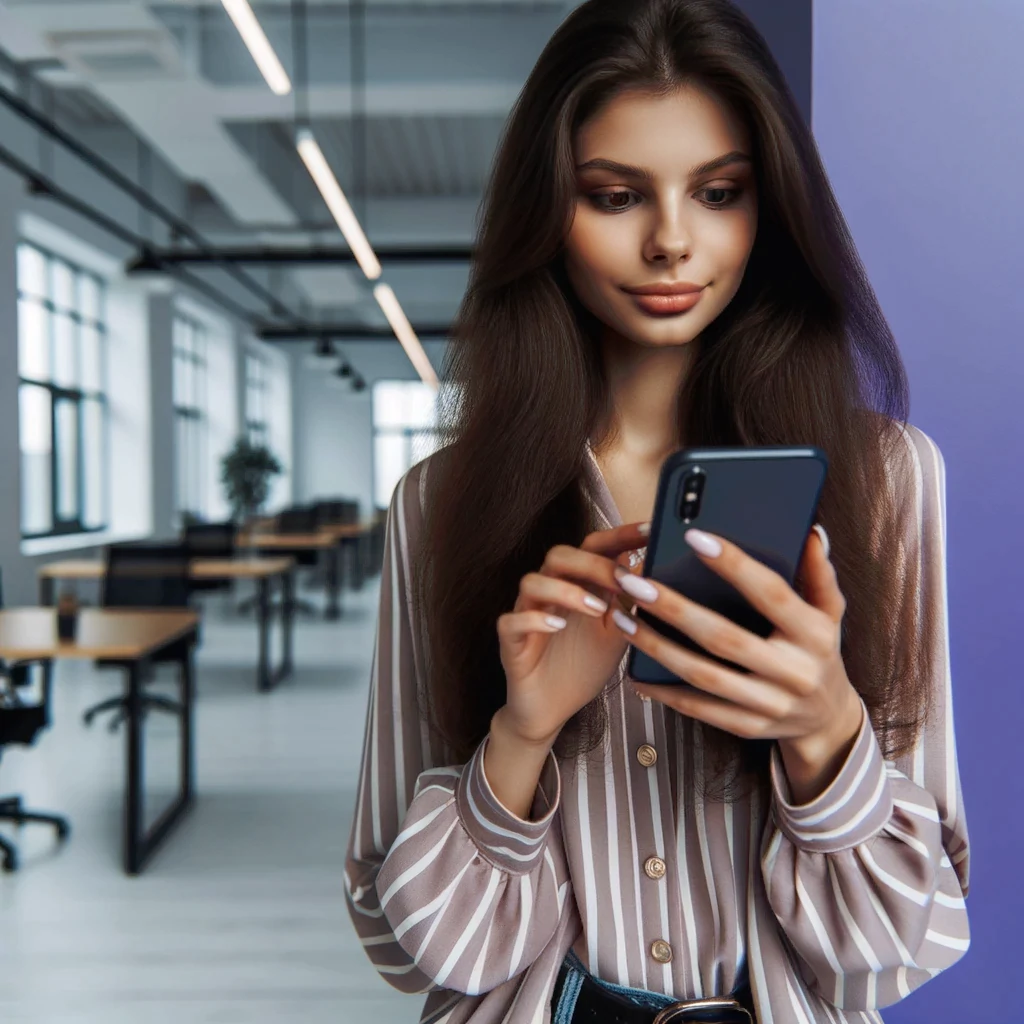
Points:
x=667, y=304
x=666, y=288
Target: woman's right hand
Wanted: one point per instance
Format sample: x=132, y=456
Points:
x=553, y=670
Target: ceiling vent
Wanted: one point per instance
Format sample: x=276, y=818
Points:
x=118, y=56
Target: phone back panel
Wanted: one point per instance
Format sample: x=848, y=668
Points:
x=762, y=499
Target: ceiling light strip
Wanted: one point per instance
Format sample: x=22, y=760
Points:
x=388, y=302
x=327, y=183
x=259, y=46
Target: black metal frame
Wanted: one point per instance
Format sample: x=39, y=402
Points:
x=139, y=843
x=266, y=677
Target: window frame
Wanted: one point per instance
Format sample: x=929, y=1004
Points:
x=61, y=393
x=257, y=427
x=407, y=432
x=191, y=420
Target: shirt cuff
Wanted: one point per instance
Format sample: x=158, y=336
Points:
x=506, y=840
x=855, y=807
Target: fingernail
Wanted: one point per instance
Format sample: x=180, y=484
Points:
x=623, y=621
x=644, y=528
x=555, y=622
x=595, y=602
x=703, y=542
x=824, y=537
x=636, y=586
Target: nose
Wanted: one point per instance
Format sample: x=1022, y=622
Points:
x=670, y=240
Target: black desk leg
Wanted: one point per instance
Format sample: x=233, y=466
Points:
x=287, y=620
x=139, y=845
x=356, y=557
x=333, y=582
x=46, y=591
x=263, y=680
x=267, y=677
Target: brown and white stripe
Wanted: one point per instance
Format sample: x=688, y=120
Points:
x=832, y=909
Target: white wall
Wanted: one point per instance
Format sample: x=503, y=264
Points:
x=333, y=429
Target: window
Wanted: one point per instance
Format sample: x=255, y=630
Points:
x=404, y=431
x=256, y=387
x=191, y=423
x=61, y=396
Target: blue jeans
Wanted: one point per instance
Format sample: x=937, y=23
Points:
x=574, y=980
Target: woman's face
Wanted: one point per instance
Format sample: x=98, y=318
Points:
x=651, y=210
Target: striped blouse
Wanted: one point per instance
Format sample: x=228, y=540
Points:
x=830, y=909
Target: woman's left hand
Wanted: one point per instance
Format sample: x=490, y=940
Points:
x=797, y=691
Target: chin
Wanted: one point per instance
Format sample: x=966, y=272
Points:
x=664, y=335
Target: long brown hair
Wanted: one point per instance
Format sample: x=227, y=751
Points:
x=802, y=355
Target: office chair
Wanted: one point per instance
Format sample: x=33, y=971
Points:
x=211, y=540
x=143, y=576
x=21, y=723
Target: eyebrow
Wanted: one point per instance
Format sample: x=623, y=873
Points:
x=630, y=171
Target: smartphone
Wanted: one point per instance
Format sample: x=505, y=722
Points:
x=763, y=499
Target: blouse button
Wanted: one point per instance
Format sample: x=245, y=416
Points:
x=661, y=951
x=646, y=755
x=655, y=868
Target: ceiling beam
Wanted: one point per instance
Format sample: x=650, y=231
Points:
x=152, y=260
x=349, y=332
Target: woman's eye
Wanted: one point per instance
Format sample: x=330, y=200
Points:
x=612, y=202
x=720, y=196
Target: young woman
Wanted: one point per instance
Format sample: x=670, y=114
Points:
x=661, y=263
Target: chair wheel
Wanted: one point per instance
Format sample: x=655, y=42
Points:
x=10, y=862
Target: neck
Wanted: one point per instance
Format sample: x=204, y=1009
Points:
x=642, y=418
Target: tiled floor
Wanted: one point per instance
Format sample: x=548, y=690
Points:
x=240, y=918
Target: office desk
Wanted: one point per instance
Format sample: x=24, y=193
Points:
x=353, y=535
x=128, y=638
x=261, y=570
x=297, y=543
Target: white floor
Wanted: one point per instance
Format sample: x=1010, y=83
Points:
x=240, y=917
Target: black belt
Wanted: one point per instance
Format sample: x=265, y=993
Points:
x=598, y=1005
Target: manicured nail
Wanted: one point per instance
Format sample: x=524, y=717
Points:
x=596, y=603
x=636, y=586
x=644, y=528
x=555, y=622
x=824, y=537
x=703, y=542
x=623, y=621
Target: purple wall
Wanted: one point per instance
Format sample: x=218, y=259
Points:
x=917, y=110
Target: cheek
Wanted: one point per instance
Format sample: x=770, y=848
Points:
x=732, y=241
x=594, y=246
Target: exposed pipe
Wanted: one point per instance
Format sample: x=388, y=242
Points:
x=42, y=186
x=349, y=332
x=182, y=228
x=153, y=259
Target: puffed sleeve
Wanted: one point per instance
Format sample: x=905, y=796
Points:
x=447, y=889
x=868, y=880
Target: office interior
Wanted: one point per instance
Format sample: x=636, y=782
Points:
x=231, y=236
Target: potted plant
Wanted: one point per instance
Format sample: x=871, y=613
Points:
x=245, y=472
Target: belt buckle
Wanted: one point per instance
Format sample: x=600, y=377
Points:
x=679, y=1013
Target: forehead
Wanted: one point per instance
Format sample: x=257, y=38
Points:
x=679, y=129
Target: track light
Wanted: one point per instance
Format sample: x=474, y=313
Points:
x=259, y=46
x=321, y=173
x=321, y=355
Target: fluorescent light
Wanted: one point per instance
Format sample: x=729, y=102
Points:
x=320, y=171
x=259, y=46
x=406, y=335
